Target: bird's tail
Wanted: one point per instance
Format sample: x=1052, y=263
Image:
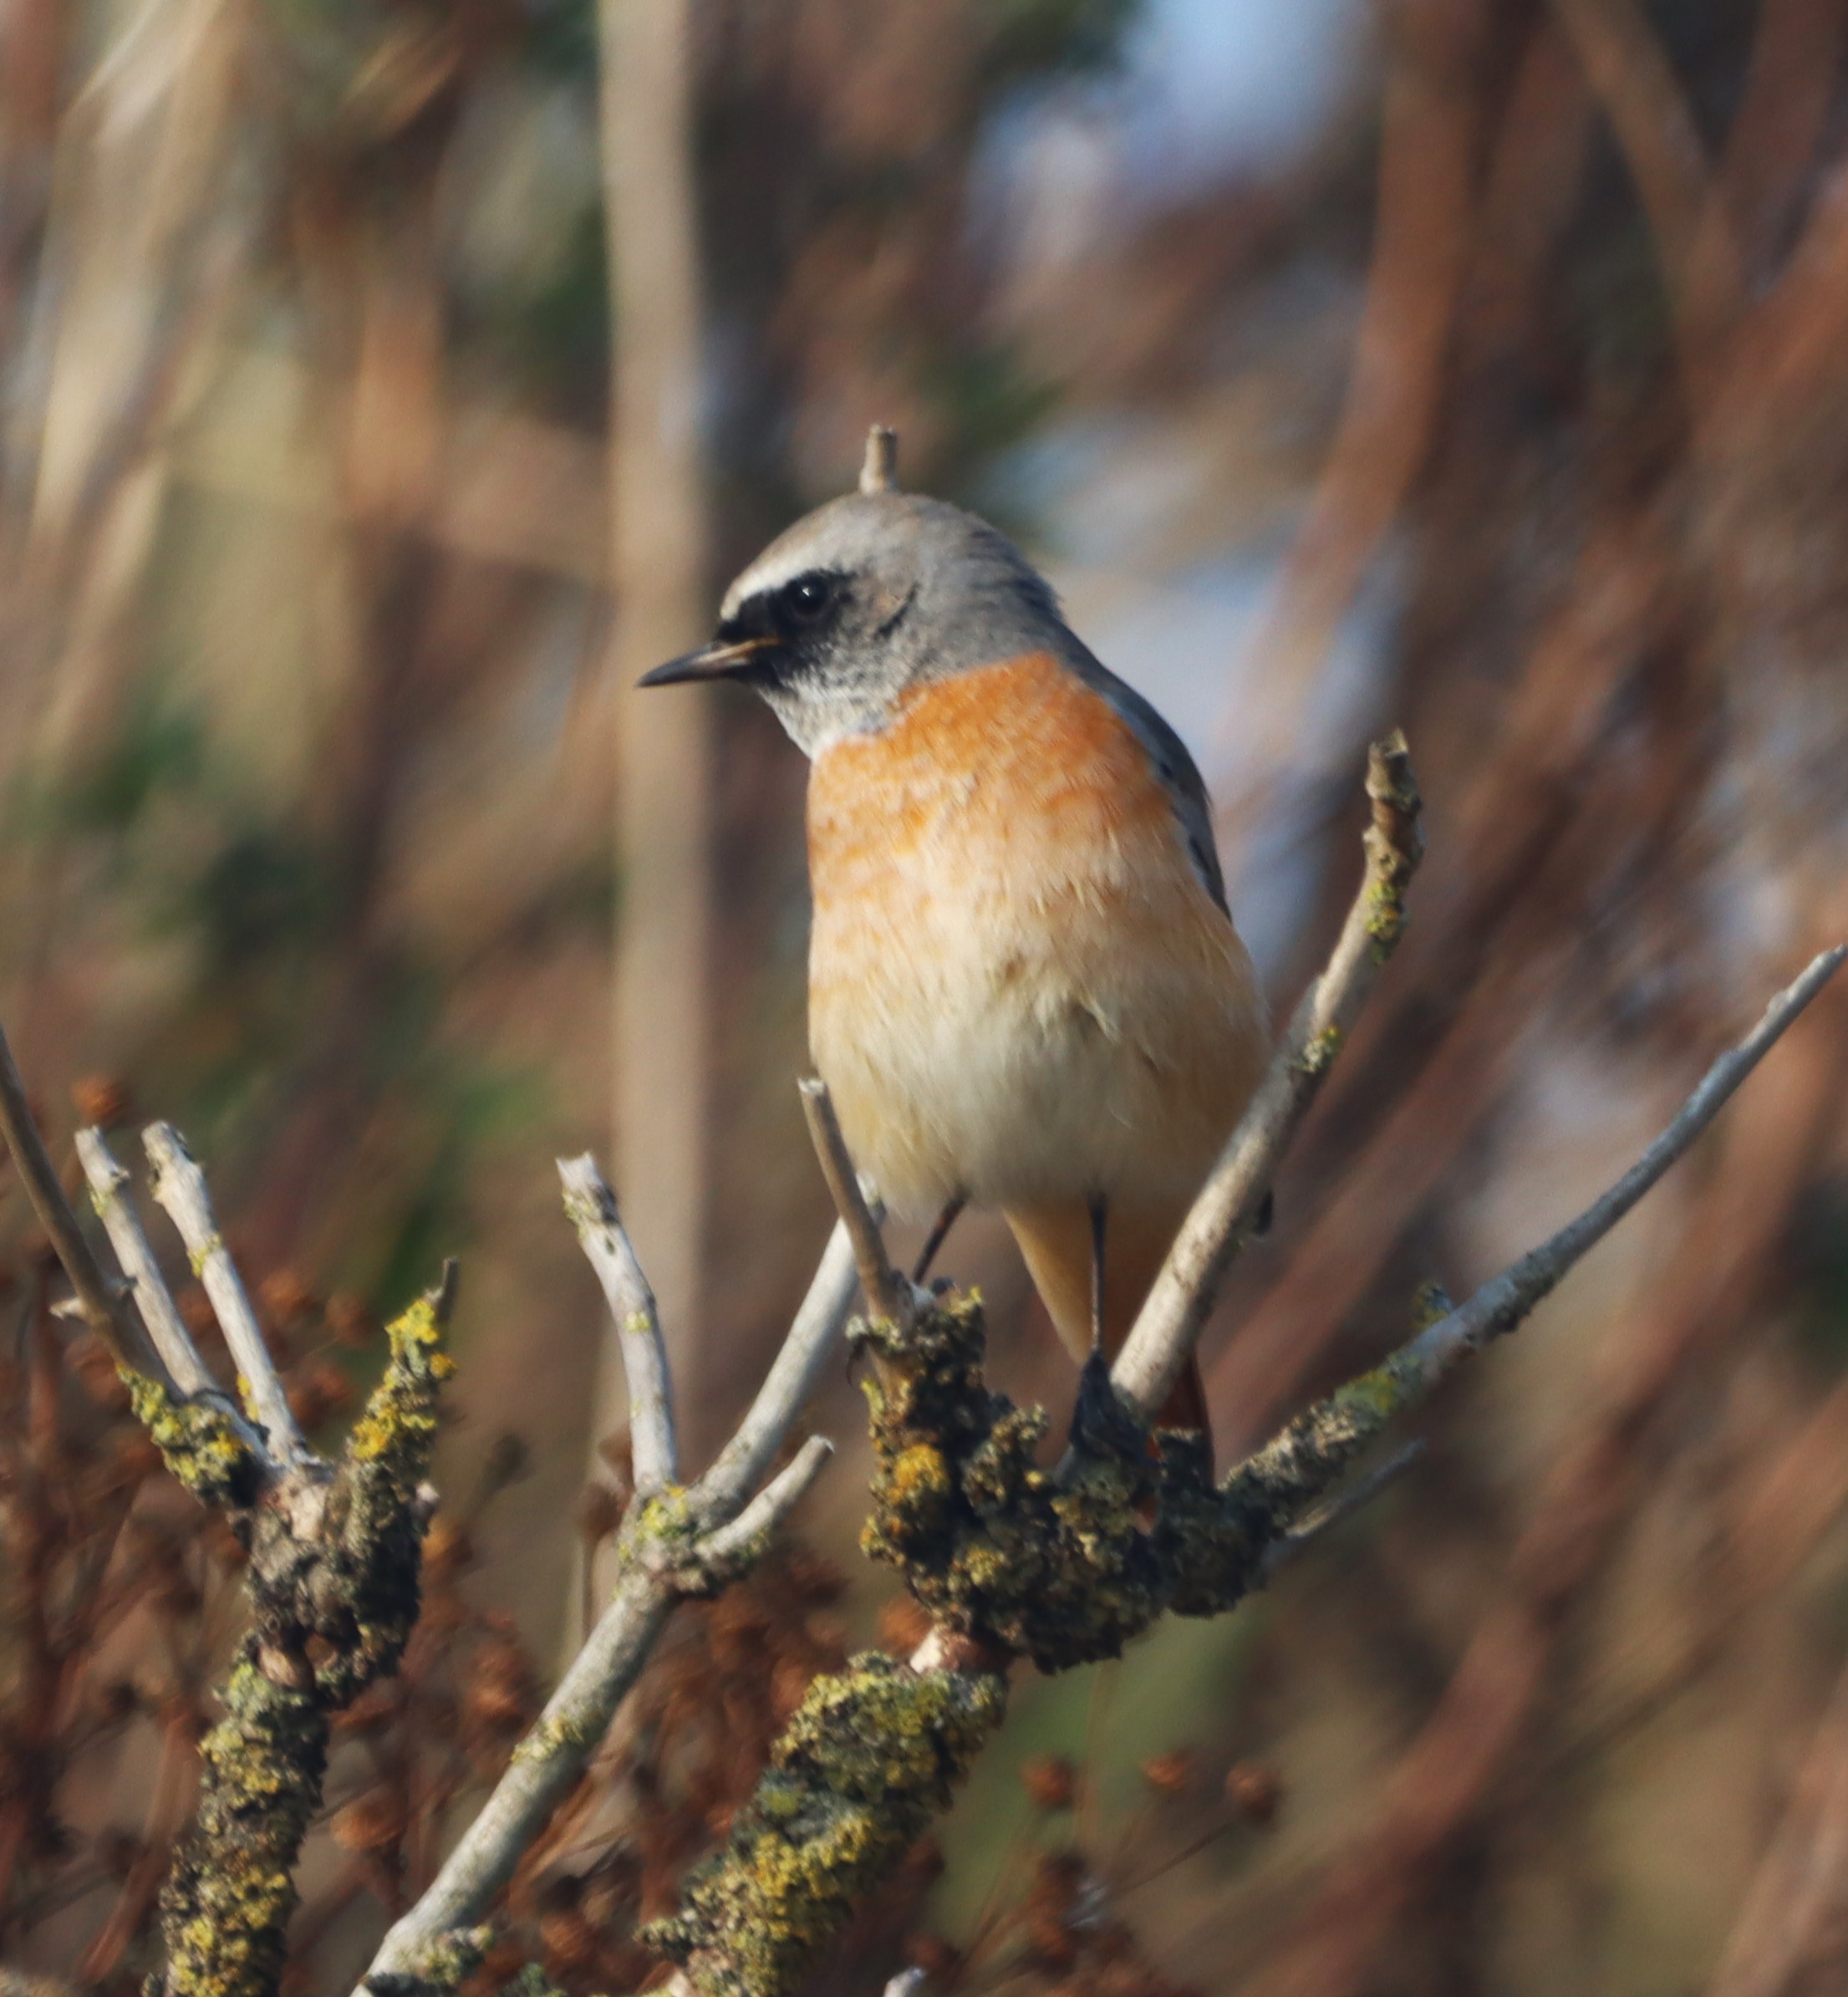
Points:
x=1055, y=1241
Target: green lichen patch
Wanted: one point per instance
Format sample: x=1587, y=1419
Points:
x=1309, y=1455
x=872, y=1753
x=347, y=1588
x=531, y=1982
x=364, y=1598
x=198, y=1442
x=660, y=1535
x=1319, y=1056
x=997, y=1548
x=228, y=1899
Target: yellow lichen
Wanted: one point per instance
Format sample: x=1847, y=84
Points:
x=198, y=1442
x=870, y=1755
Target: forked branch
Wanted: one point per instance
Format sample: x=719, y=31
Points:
x=674, y=1542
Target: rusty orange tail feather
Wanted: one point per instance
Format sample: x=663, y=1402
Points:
x=1055, y=1242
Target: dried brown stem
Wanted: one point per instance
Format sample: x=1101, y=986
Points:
x=104, y=1304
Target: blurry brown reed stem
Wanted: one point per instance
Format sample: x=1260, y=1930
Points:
x=1790, y=1508
x=1691, y=227
x=1422, y=233
x=1792, y=1933
x=104, y=1308
x=1771, y=142
x=1431, y=1797
x=661, y=1029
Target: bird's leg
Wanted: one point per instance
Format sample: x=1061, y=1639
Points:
x=934, y=1240
x=1100, y=1212
x=1101, y=1423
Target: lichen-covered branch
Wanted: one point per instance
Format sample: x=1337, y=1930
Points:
x=1063, y=1566
x=329, y=1615
x=870, y=1757
x=1169, y=1323
x=332, y=1577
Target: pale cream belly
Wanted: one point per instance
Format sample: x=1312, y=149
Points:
x=1018, y=1069
x=1021, y=989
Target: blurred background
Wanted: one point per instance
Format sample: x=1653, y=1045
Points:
x=1476, y=365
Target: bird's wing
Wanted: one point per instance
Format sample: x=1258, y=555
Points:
x=1180, y=776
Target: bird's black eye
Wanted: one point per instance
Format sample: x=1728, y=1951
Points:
x=809, y=598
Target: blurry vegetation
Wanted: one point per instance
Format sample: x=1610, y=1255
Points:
x=1541, y=344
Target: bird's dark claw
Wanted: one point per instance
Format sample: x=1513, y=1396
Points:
x=1102, y=1423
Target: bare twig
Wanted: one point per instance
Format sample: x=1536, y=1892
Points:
x=880, y=472
x=591, y=1207
x=180, y=1187
x=1433, y=1798
x=108, y=1181
x=1177, y=1306
x=1306, y=1458
x=545, y=1766
x=1498, y=1306
x=105, y=1309
x=886, y=1292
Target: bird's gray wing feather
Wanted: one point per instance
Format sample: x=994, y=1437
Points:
x=1175, y=767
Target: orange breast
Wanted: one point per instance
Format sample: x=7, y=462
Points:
x=1019, y=986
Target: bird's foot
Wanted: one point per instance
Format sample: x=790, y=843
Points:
x=1102, y=1423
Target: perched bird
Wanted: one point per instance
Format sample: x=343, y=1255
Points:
x=1025, y=991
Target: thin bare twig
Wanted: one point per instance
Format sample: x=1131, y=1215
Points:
x=180, y=1187
x=105, y=1307
x=1172, y=1319
x=591, y=1206
x=1305, y=1460
x=727, y=1546
x=886, y=1292
x=545, y=1766
x=1499, y=1305
x=108, y=1184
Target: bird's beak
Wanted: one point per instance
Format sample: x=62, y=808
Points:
x=721, y=659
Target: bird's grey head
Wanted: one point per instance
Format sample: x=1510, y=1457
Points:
x=864, y=597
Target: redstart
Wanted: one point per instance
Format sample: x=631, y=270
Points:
x=1025, y=991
